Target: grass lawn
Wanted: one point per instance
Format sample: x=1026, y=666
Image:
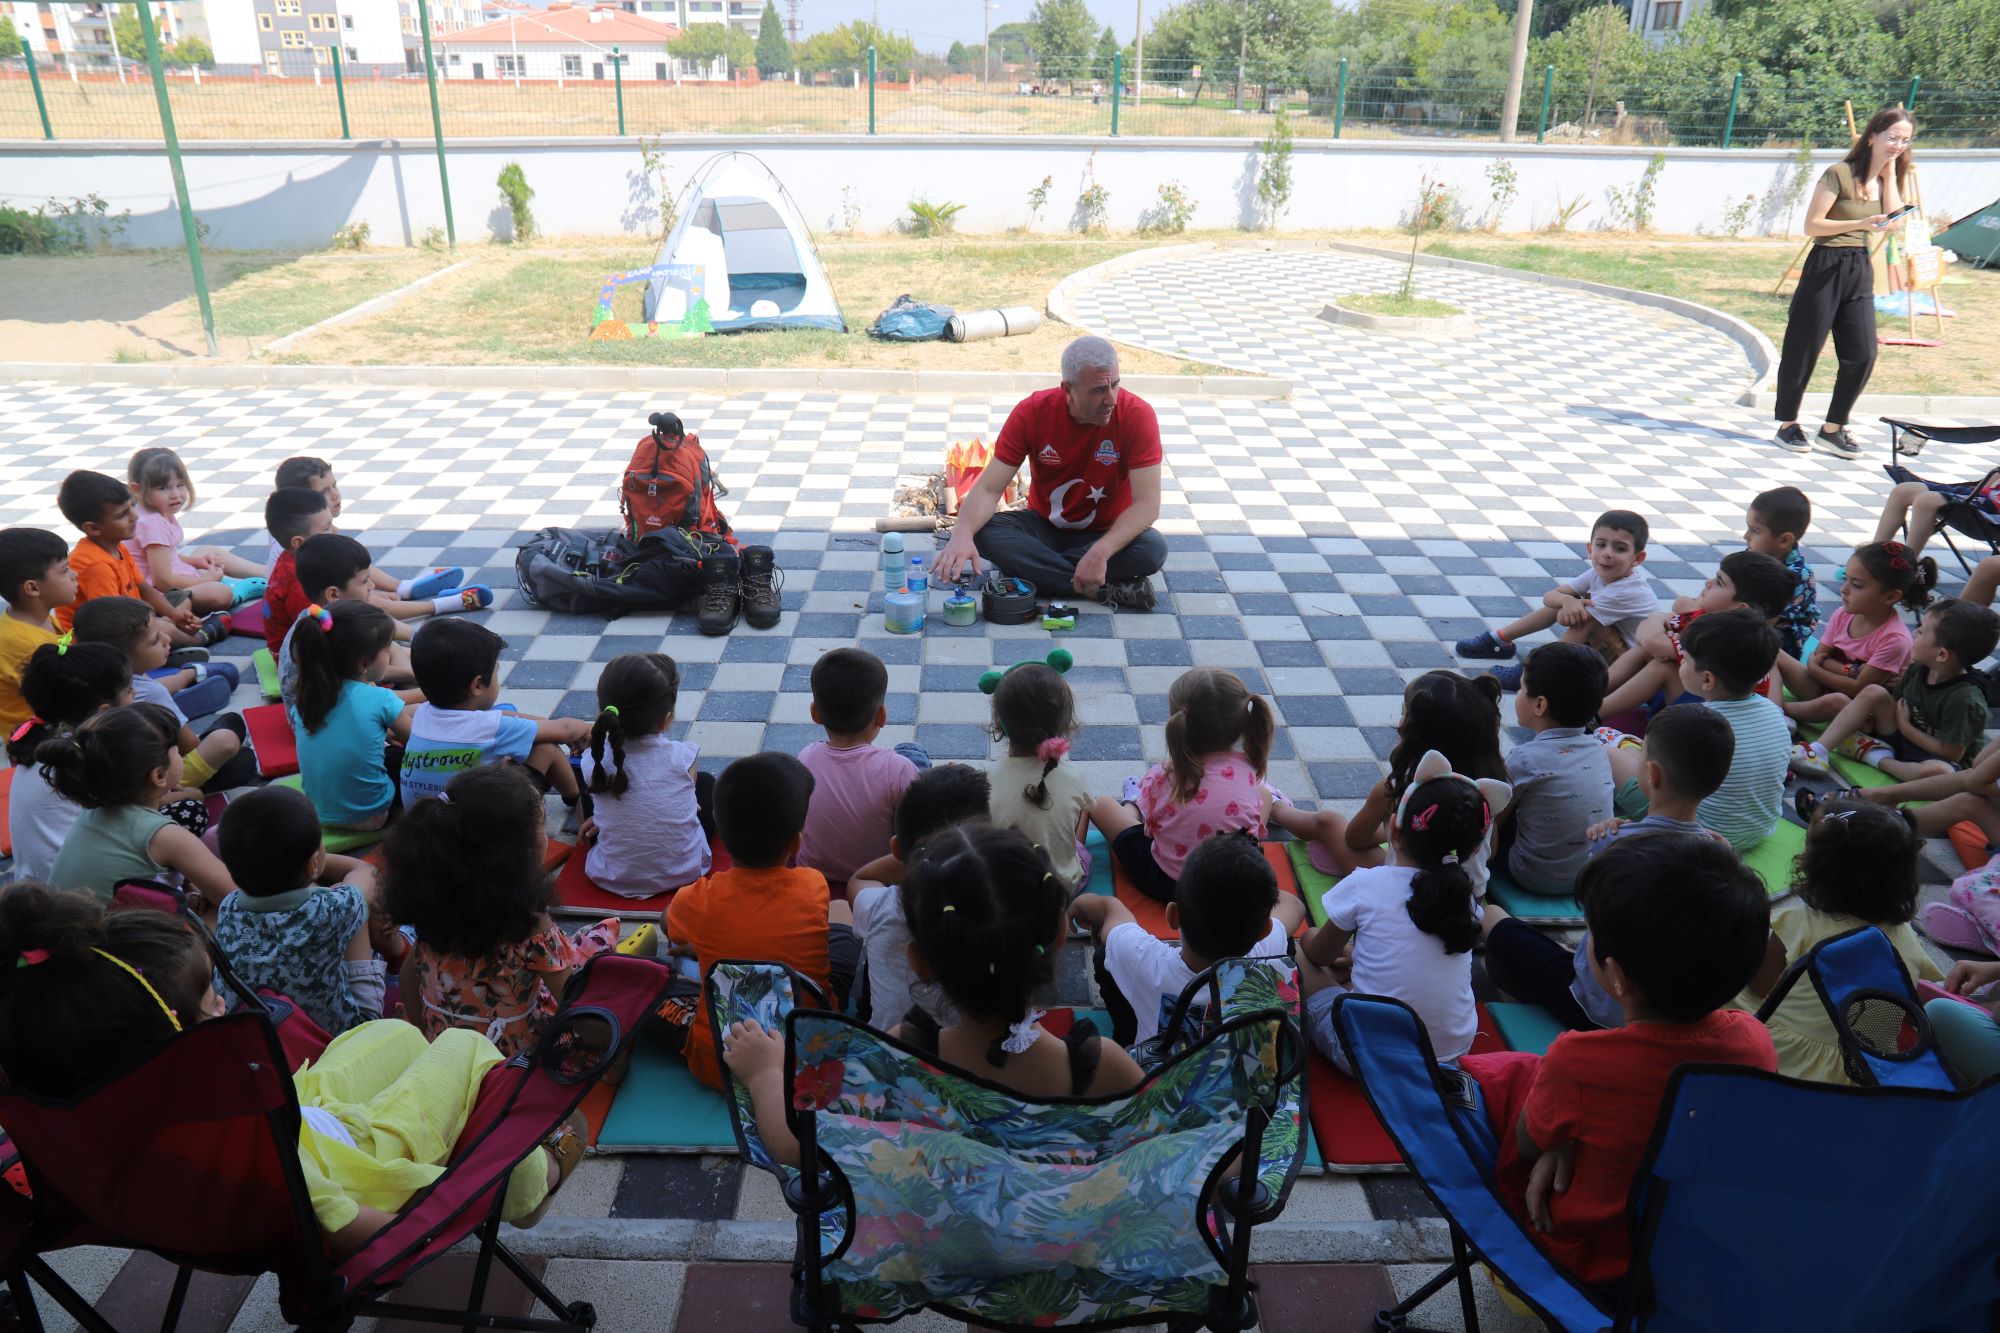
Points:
x=534, y=306
x=1737, y=277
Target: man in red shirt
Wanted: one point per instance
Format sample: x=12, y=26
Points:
x=1093, y=457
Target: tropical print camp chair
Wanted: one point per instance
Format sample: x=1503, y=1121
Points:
x=938, y=1189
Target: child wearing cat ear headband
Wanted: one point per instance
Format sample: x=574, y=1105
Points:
x=1407, y=930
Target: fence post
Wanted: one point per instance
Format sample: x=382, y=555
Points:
x=188, y=231
x=1340, y=98
x=618, y=88
x=1729, y=125
x=35, y=81
x=1548, y=91
x=1117, y=81
x=340, y=94
x=871, y=88
x=1909, y=103
x=437, y=123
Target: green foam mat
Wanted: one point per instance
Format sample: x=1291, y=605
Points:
x=267, y=673
x=1541, y=909
x=1313, y=882
x=662, y=1108
x=1525, y=1027
x=336, y=840
x=1100, y=867
x=1772, y=858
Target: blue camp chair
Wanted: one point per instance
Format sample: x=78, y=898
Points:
x=940, y=1190
x=1765, y=1202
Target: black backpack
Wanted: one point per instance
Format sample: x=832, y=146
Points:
x=606, y=573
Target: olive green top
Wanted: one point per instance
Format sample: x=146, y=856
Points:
x=1849, y=205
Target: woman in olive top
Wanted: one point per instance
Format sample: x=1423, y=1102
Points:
x=1836, y=293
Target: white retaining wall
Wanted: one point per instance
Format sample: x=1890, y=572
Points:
x=293, y=195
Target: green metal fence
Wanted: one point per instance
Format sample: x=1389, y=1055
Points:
x=313, y=94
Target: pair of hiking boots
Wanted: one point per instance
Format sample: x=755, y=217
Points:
x=739, y=585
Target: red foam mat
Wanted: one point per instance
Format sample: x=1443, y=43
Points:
x=271, y=738
x=1351, y=1139
x=1152, y=914
x=577, y=896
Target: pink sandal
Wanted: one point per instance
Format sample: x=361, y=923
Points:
x=1955, y=928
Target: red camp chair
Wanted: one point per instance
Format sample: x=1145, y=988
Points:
x=192, y=1154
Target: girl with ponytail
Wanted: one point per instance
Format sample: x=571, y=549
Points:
x=1035, y=789
x=63, y=683
x=651, y=813
x=986, y=915
x=1218, y=742
x=350, y=730
x=1406, y=930
x=465, y=870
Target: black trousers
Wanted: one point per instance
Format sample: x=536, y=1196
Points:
x=1530, y=966
x=1027, y=546
x=1836, y=293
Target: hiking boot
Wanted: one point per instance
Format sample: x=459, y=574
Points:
x=1135, y=594
x=1792, y=438
x=760, y=584
x=1838, y=441
x=720, y=603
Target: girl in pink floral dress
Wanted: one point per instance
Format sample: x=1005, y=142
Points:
x=1218, y=741
x=465, y=870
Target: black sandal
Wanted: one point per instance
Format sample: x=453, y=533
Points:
x=1806, y=800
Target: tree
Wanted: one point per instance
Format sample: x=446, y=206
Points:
x=1599, y=61
x=1107, y=50
x=846, y=48
x=189, y=51
x=1272, y=36
x=130, y=37
x=1065, y=33
x=774, y=53
x=1016, y=42
x=1801, y=60
x=1955, y=45
x=10, y=40
x=703, y=42
x=962, y=56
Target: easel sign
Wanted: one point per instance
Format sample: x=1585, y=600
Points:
x=1923, y=269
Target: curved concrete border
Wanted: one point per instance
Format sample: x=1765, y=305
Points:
x=1762, y=355
x=1451, y=326
x=974, y=383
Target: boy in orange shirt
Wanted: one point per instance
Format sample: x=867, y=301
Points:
x=35, y=580
x=759, y=909
x=101, y=507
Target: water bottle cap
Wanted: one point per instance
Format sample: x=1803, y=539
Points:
x=892, y=541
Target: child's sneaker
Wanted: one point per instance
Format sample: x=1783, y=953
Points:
x=1485, y=644
x=1613, y=739
x=1809, y=762
x=1508, y=676
x=438, y=581
x=214, y=629
x=1866, y=750
x=244, y=589
x=472, y=597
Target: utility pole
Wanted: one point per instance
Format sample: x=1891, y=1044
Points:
x=1510, y=108
x=1596, y=63
x=1139, y=55
x=792, y=19
x=1242, y=47
x=986, y=46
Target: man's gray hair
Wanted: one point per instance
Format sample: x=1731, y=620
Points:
x=1087, y=353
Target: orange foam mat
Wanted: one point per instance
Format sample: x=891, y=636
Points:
x=1152, y=914
x=1351, y=1138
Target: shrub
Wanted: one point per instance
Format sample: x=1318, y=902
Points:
x=1737, y=216
x=353, y=236
x=1634, y=206
x=27, y=233
x=434, y=239
x=1170, y=212
x=514, y=188
x=1505, y=182
x=1274, y=170
x=929, y=219
x=1566, y=212
x=1038, y=199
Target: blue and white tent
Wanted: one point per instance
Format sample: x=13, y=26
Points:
x=748, y=242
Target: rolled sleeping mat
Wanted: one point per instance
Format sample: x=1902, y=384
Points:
x=1004, y=322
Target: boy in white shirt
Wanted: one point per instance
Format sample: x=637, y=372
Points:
x=1226, y=905
x=1601, y=607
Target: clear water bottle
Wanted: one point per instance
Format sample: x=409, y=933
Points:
x=892, y=561
x=917, y=578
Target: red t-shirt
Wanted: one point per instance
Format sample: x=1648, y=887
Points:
x=1080, y=474
x=284, y=598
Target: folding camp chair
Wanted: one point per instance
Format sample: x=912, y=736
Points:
x=1753, y=1186
x=939, y=1190
x=192, y=1154
x=1907, y=439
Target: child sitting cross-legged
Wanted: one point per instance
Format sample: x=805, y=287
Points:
x=207, y=578
x=350, y=731
x=941, y=797
x=1933, y=718
x=293, y=517
x=121, y=766
x=90, y=995
x=63, y=684
x=1457, y=716
x=1035, y=788
x=35, y=580
x=986, y=922
x=433, y=592
x=281, y=930
x=1677, y=925
x=101, y=508
x=1775, y=525
x=458, y=725
x=1859, y=869
x=762, y=908
x=856, y=783
x=331, y=569
x=1865, y=641
x=1601, y=607
x=652, y=814
x=1226, y=905
x=1685, y=757
x=1561, y=778
x=1648, y=676
x=465, y=869
x=215, y=760
x=1407, y=930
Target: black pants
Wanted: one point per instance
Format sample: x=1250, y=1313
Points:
x=1530, y=966
x=240, y=770
x=1836, y=293
x=1134, y=849
x=1027, y=546
x=1124, y=1019
x=704, y=803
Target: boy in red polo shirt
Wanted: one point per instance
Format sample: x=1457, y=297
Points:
x=291, y=515
x=101, y=507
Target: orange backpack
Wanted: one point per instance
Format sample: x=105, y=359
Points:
x=669, y=484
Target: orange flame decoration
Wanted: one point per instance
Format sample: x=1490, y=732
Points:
x=962, y=465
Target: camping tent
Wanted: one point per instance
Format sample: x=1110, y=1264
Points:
x=748, y=242
x=1976, y=236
